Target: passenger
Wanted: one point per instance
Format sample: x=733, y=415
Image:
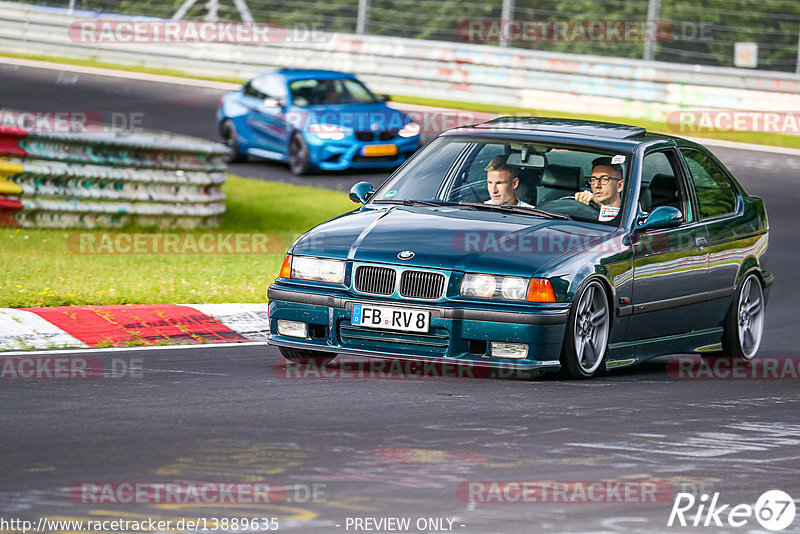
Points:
x=501, y=181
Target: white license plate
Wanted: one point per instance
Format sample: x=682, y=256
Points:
x=389, y=318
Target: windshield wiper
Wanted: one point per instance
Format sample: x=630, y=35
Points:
x=407, y=202
x=518, y=209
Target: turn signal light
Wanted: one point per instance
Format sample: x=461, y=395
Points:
x=540, y=290
x=286, y=267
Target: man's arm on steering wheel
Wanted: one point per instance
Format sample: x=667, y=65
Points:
x=585, y=197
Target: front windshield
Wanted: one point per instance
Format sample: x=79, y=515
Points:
x=315, y=92
x=574, y=181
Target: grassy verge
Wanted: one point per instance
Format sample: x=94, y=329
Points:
x=39, y=268
x=789, y=141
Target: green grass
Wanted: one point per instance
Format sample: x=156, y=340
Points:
x=38, y=268
x=789, y=141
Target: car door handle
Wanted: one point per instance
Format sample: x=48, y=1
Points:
x=700, y=242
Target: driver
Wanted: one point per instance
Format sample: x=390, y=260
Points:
x=606, y=183
x=501, y=181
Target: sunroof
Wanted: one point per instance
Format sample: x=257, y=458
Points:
x=574, y=126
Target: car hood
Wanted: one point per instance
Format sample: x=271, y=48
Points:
x=358, y=117
x=449, y=238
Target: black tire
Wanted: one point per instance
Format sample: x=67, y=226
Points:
x=744, y=324
x=231, y=139
x=588, y=327
x=299, y=159
x=306, y=357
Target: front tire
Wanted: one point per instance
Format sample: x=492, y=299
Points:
x=744, y=325
x=588, y=328
x=299, y=158
x=306, y=357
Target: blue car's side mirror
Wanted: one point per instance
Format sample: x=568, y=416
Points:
x=361, y=192
x=662, y=217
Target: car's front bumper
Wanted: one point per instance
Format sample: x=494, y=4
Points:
x=457, y=334
x=346, y=154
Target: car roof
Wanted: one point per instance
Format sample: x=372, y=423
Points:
x=305, y=74
x=609, y=135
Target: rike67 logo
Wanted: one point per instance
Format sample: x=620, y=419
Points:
x=774, y=510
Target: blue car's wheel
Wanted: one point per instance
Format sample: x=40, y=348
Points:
x=231, y=140
x=744, y=325
x=306, y=357
x=299, y=159
x=588, y=327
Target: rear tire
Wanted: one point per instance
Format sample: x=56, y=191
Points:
x=231, y=139
x=306, y=357
x=744, y=324
x=588, y=328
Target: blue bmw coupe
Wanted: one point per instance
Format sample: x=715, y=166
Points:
x=315, y=120
x=534, y=243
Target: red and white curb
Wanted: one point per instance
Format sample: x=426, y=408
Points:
x=127, y=325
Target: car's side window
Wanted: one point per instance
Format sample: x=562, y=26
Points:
x=715, y=193
x=661, y=183
x=266, y=87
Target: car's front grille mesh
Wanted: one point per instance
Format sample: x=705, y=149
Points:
x=421, y=285
x=376, y=280
x=385, y=135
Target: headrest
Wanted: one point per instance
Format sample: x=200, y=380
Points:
x=563, y=177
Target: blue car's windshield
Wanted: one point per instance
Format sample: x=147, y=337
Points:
x=584, y=184
x=315, y=92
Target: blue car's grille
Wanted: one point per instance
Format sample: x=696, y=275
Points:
x=375, y=280
x=435, y=342
x=386, y=135
x=421, y=285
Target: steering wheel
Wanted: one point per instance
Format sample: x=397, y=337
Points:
x=572, y=207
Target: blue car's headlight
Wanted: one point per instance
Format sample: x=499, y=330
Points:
x=409, y=130
x=313, y=269
x=328, y=131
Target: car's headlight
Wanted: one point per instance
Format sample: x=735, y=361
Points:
x=313, y=269
x=489, y=286
x=328, y=131
x=409, y=130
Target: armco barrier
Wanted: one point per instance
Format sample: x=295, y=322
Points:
x=455, y=71
x=109, y=179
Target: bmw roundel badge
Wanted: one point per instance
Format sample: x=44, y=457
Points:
x=405, y=255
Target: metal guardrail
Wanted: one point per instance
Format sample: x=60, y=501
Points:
x=453, y=71
x=109, y=180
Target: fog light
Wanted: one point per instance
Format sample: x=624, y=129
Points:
x=292, y=328
x=509, y=350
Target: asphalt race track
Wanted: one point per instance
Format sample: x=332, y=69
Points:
x=390, y=445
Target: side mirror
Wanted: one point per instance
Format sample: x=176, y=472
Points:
x=661, y=217
x=361, y=192
x=386, y=98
